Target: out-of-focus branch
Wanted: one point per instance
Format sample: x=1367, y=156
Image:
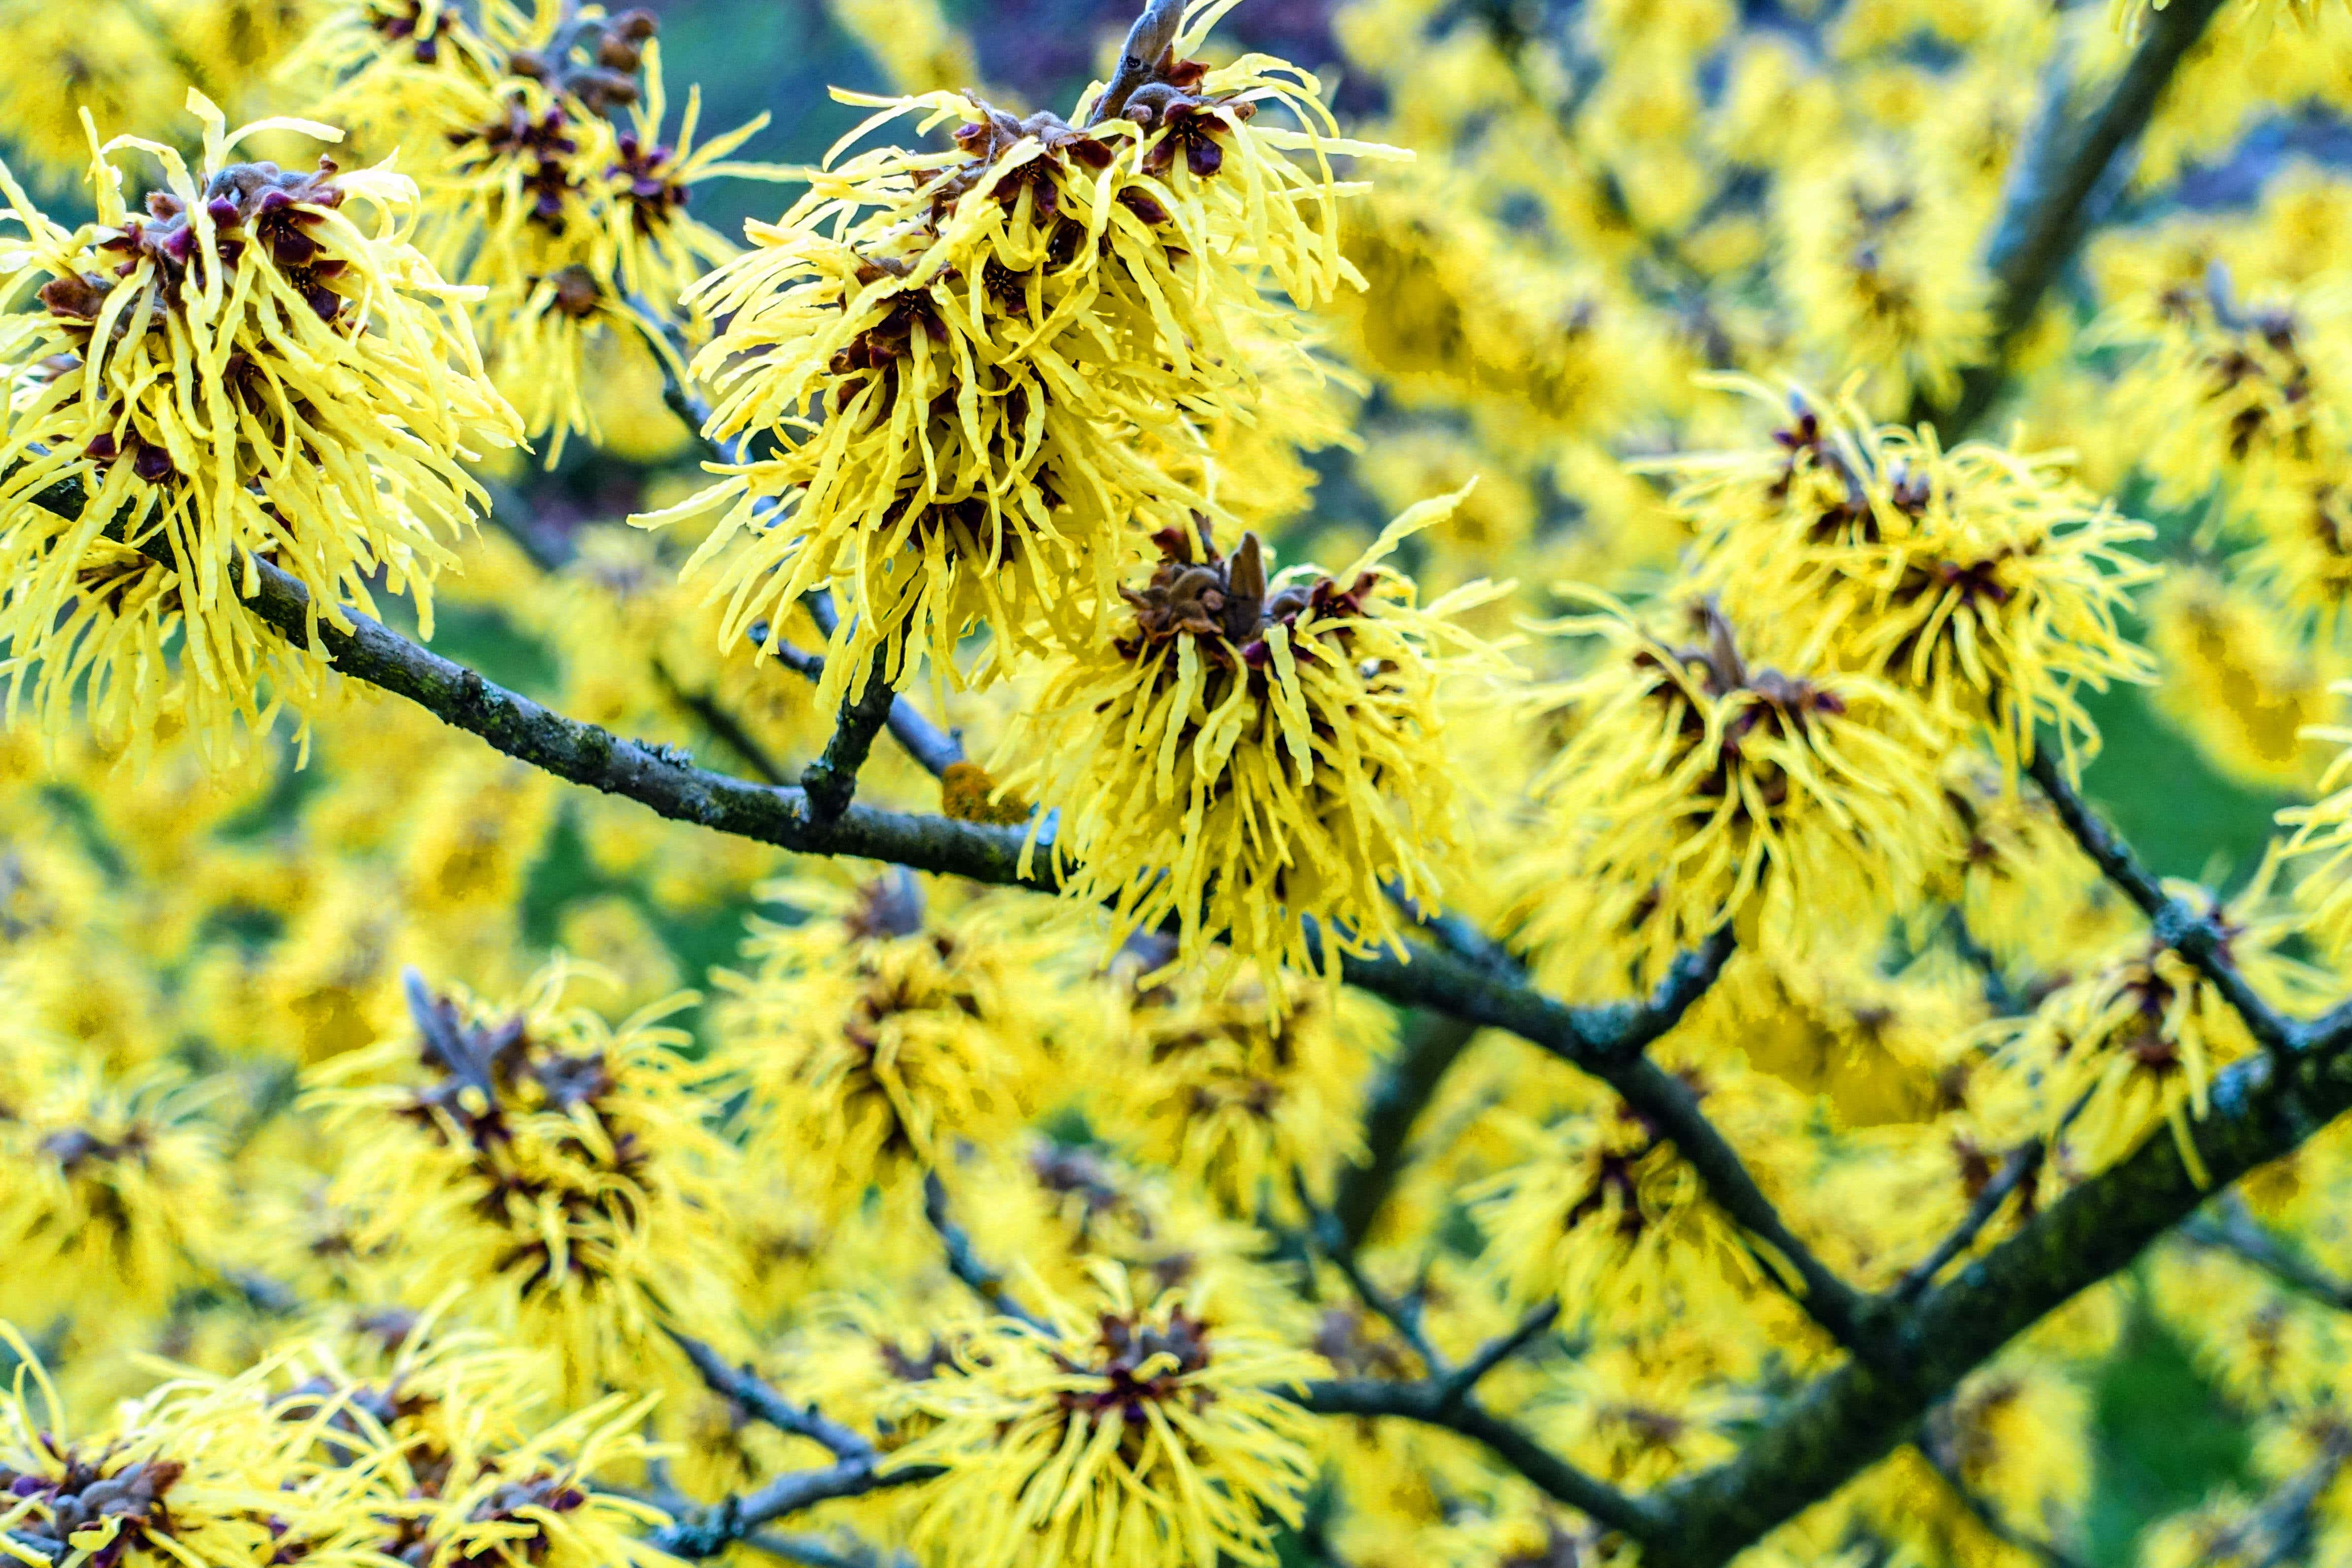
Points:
x=757, y=1398
x=2284, y=1519
x=2050, y=192
x=2015, y=1171
x=1982, y=1511
x=1998, y=995
x=717, y=1529
x=964, y=1261
x=1403, y=1314
x=720, y=722
x=1454, y=1386
x=2227, y=1227
x=1427, y=1045
x=2195, y=935
x=1428, y=1402
x=813, y=1553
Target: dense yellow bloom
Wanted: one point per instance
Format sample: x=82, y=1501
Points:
x=2238, y=405
x=1135, y=1436
x=1983, y=581
x=878, y=1033
x=199, y=1471
x=110, y=58
x=1249, y=1096
x=1604, y=1216
x=244, y=370
x=113, y=1197
x=916, y=44
x=2321, y=844
x=1705, y=789
x=1881, y=1049
x=555, y=1168
x=573, y=224
x=2138, y=1041
x=954, y=354
x=1882, y=272
x=1254, y=753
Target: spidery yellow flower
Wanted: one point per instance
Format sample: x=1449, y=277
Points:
x=245, y=370
x=1137, y=1436
x=1253, y=753
x=556, y=1170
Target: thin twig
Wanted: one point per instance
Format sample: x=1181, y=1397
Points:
x=2024, y=1160
x=1423, y=1401
x=1998, y=995
x=1454, y=1386
x=1404, y=1316
x=745, y=1388
x=2195, y=936
x=831, y=780
x=717, y=1529
x=2227, y=1227
x=2286, y=1519
x=716, y=718
x=1672, y=1108
x=1148, y=41
x=964, y=1262
x=935, y=749
x=2047, y=213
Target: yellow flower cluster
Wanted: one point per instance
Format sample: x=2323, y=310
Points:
x=241, y=370
x=571, y=221
x=556, y=1170
x=956, y=356
x=1258, y=760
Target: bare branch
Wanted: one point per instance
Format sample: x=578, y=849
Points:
x=2050, y=196
x=1148, y=42
x=964, y=1262
x=2195, y=936
x=2015, y=1171
x=2227, y=1227
x=745, y=1387
x=1454, y=1386
x=1425, y=1402
x=831, y=780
